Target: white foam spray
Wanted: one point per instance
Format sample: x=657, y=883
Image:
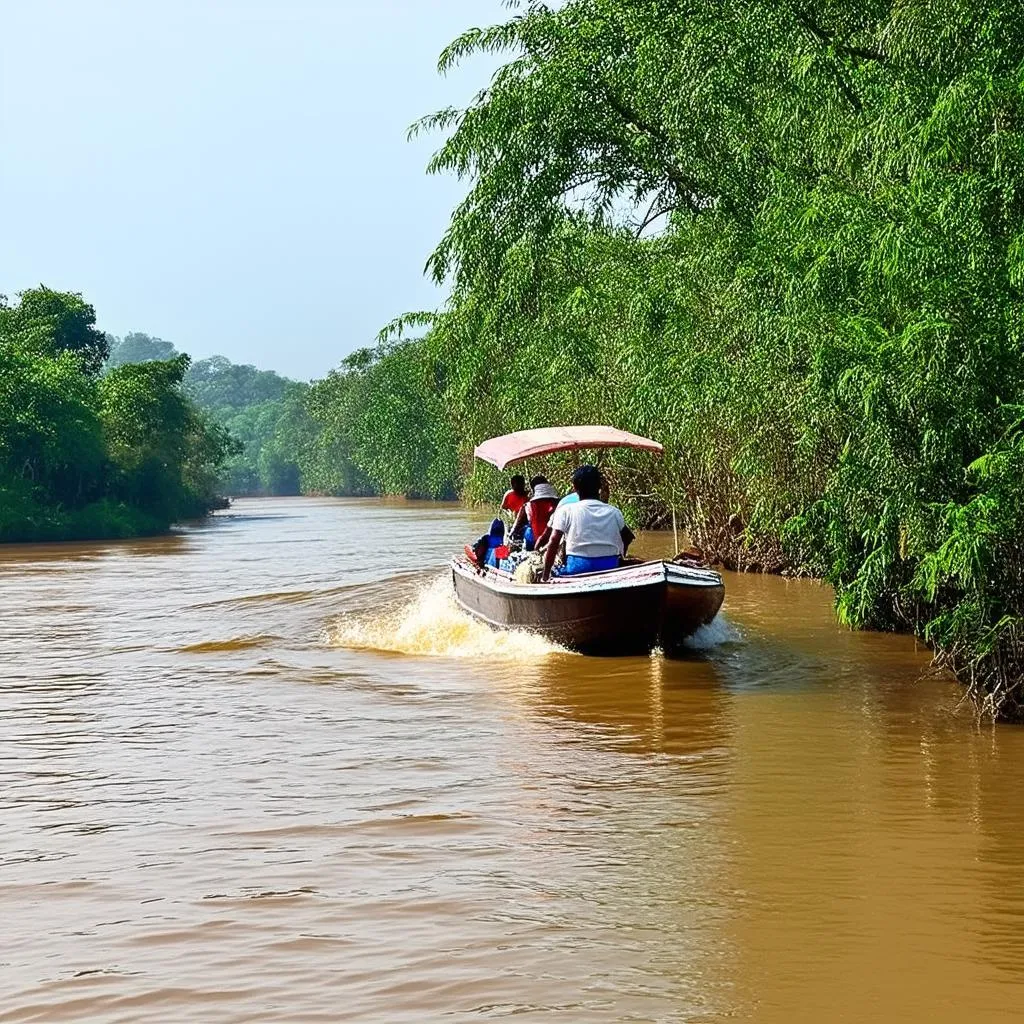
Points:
x=717, y=632
x=432, y=624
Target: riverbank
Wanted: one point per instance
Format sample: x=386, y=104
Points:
x=104, y=520
x=89, y=451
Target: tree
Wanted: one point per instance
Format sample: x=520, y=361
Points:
x=51, y=444
x=219, y=385
x=136, y=347
x=382, y=421
x=160, y=446
x=785, y=239
x=255, y=406
x=84, y=456
x=46, y=322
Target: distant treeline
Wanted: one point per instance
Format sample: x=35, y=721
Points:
x=104, y=437
x=263, y=412
x=373, y=426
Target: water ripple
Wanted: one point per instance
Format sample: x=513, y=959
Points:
x=247, y=774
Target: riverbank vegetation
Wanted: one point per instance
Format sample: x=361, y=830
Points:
x=785, y=239
x=91, y=454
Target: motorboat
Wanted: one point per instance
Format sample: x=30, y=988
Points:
x=634, y=608
x=629, y=610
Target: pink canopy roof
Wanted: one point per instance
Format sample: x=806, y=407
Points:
x=524, y=444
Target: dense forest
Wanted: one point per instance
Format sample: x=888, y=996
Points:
x=786, y=239
x=86, y=453
x=373, y=426
x=263, y=412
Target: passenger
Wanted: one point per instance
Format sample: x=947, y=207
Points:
x=488, y=548
x=572, y=497
x=596, y=535
x=533, y=517
x=520, y=521
x=517, y=497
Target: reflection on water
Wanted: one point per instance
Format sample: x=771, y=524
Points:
x=264, y=769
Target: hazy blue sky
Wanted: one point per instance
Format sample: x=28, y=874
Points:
x=231, y=175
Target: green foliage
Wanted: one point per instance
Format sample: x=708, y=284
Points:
x=87, y=456
x=785, y=240
x=219, y=386
x=265, y=413
x=46, y=323
x=137, y=347
x=383, y=426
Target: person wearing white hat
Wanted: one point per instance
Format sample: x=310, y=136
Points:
x=534, y=515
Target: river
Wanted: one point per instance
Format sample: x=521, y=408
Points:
x=264, y=770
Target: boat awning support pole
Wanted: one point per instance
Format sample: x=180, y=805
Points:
x=675, y=531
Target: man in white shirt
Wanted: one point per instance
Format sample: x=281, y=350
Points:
x=596, y=535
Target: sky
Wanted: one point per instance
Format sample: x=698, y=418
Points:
x=230, y=175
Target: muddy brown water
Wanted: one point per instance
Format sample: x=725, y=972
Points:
x=264, y=770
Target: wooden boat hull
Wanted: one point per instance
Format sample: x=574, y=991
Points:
x=629, y=610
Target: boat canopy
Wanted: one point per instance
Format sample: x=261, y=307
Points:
x=524, y=444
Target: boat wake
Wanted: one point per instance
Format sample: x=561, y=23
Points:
x=717, y=632
x=432, y=624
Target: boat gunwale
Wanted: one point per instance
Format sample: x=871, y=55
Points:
x=631, y=577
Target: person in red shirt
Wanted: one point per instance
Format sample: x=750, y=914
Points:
x=517, y=497
x=533, y=517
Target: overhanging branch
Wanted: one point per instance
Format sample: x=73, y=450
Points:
x=686, y=187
